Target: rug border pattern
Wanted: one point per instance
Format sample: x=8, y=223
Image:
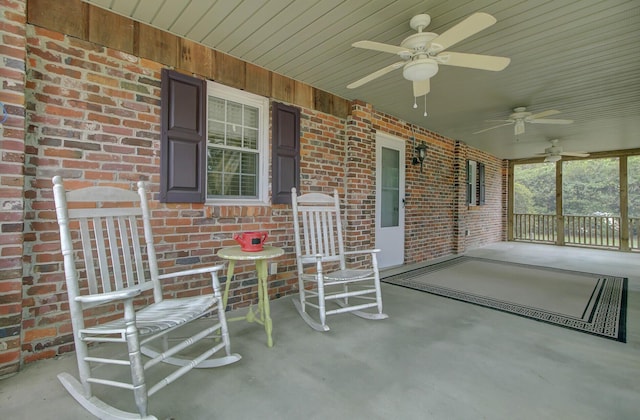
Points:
x=607, y=319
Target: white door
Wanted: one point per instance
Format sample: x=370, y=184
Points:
x=390, y=166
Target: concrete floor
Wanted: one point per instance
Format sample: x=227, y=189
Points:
x=434, y=358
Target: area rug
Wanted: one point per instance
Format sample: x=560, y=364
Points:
x=587, y=302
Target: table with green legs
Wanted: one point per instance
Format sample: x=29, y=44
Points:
x=263, y=315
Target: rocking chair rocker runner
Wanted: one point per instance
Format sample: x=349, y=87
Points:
x=323, y=275
x=112, y=264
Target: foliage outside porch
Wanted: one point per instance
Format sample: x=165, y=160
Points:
x=591, y=202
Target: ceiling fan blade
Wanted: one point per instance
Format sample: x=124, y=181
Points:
x=470, y=26
x=421, y=87
x=474, y=61
x=549, y=121
x=576, y=154
x=543, y=114
x=494, y=127
x=375, y=75
x=379, y=46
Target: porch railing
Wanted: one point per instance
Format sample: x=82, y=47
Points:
x=592, y=231
x=535, y=227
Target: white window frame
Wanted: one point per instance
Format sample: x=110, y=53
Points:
x=262, y=104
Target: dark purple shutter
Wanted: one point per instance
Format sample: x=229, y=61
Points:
x=286, y=152
x=183, y=140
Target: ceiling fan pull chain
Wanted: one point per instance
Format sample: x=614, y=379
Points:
x=425, y=105
x=415, y=104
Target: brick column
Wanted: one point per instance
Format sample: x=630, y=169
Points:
x=12, y=147
x=460, y=187
x=360, y=173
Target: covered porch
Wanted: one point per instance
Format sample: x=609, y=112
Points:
x=433, y=358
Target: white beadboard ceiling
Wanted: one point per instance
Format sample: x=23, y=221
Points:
x=581, y=57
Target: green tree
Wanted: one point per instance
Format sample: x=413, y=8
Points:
x=591, y=186
x=539, y=179
x=633, y=183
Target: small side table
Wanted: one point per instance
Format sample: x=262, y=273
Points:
x=233, y=254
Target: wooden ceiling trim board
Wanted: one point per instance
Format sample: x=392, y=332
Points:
x=157, y=45
x=101, y=24
x=53, y=15
x=258, y=80
x=197, y=58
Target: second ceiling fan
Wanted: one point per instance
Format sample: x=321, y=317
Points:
x=520, y=116
x=421, y=53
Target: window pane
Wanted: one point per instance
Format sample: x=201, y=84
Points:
x=216, y=132
x=251, y=138
x=234, y=113
x=216, y=109
x=251, y=117
x=231, y=161
x=249, y=163
x=231, y=185
x=390, y=212
x=234, y=135
x=249, y=185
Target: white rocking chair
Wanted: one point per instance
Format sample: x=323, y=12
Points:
x=109, y=260
x=323, y=275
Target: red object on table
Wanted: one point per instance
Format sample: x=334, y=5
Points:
x=251, y=241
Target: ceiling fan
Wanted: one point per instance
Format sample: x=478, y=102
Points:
x=554, y=152
x=422, y=52
x=521, y=116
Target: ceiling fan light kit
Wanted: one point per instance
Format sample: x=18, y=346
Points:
x=552, y=158
x=420, y=69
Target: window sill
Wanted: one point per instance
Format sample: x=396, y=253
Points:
x=224, y=202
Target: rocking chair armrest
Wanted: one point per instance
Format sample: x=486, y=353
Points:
x=363, y=251
x=317, y=257
x=108, y=296
x=191, y=272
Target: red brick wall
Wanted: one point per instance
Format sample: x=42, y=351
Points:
x=430, y=212
x=12, y=79
x=93, y=117
x=485, y=222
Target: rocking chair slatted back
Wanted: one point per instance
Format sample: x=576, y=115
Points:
x=319, y=219
x=114, y=255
